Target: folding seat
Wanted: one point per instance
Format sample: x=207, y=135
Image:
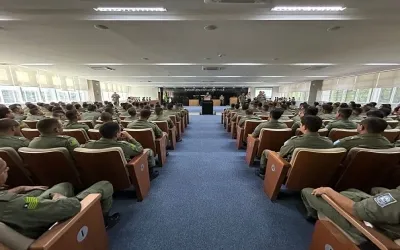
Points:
x=187, y=116
x=123, y=117
x=110, y=164
x=287, y=117
x=394, y=117
x=391, y=134
x=125, y=123
x=79, y=134
x=99, y=122
x=30, y=133
x=177, y=125
x=87, y=122
x=307, y=168
x=264, y=117
x=272, y=139
x=328, y=235
x=228, y=121
x=337, y=134
x=234, y=126
x=163, y=125
x=147, y=139
x=321, y=132
x=31, y=123
x=393, y=123
x=94, y=134
x=242, y=133
x=366, y=168
x=84, y=231
x=50, y=166
x=289, y=123
x=18, y=175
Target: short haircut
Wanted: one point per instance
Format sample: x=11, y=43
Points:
x=47, y=126
x=265, y=107
x=71, y=115
x=170, y=106
x=357, y=111
x=316, y=103
x=328, y=108
x=311, y=110
x=344, y=105
x=259, y=104
x=245, y=106
x=128, y=106
x=147, y=107
x=373, y=104
x=91, y=107
x=329, y=103
x=6, y=124
x=237, y=105
x=158, y=111
x=4, y=111
x=106, y=117
x=14, y=107
x=69, y=107
x=385, y=111
x=109, y=110
x=345, y=112
x=375, y=113
x=132, y=111
x=56, y=109
x=249, y=112
x=57, y=114
x=109, y=130
x=276, y=114
x=85, y=105
x=34, y=111
x=374, y=125
x=284, y=106
x=232, y=105
x=145, y=113
x=311, y=122
x=77, y=106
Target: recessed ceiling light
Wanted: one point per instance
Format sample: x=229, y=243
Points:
x=145, y=58
x=381, y=64
x=221, y=55
x=37, y=64
x=101, y=27
x=119, y=9
x=308, y=8
x=334, y=28
x=210, y=27
x=312, y=64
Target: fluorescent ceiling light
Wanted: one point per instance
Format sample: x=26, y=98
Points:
x=285, y=82
x=104, y=64
x=308, y=8
x=317, y=76
x=381, y=64
x=269, y=76
x=244, y=64
x=312, y=64
x=37, y=64
x=119, y=9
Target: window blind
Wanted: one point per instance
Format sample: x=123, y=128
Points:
x=389, y=79
x=24, y=77
x=5, y=76
x=345, y=83
x=366, y=81
x=329, y=84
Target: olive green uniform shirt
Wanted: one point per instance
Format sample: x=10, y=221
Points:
x=169, y=112
x=274, y=124
x=54, y=141
x=130, y=118
x=14, y=142
x=341, y=124
x=19, y=117
x=327, y=116
x=245, y=118
x=296, y=118
x=356, y=118
x=375, y=141
x=35, y=117
x=76, y=125
x=238, y=112
x=162, y=118
x=130, y=149
x=91, y=115
x=142, y=124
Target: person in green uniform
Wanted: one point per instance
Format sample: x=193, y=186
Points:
x=111, y=110
x=17, y=112
x=327, y=112
x=125, y=111
x=111, y=136
x=286, y=112
x=249, y=116
x=170, y=111
x=50, y=136
x=91, y=113
x=242, y=111
x=73, y=117
x=356, y=115
x=342, y=122
x=310, y=124
x=309, y=110
x=5, y=112
x=369, y=136
x=32, y=210
x=35, y=114
x=132, y=115
x=264, y=110
x=104, y=117
x=381, y=208
x=159, y=116
x=302, y=108
x=143, y=122
x=8, y=129
x=232, y=107
x=273, y=123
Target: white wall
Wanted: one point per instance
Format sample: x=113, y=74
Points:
x=144, y=92
x=275, y=92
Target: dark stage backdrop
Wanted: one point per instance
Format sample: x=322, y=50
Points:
x=182, y=95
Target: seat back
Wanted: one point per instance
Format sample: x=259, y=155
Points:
x=264, y=117
x=289, y=123
x=94, y=134
x=125, y=123
x=123, y=117
x=337, y=134
x=79, y=134
x=321, y=132
x=87, y=122
x=50, y=166
x=367, y=168
x=391, y=134
x=238, y=118
x=30, y=133
x=31, y=123
x=325, y=122
x=250, y=126
x=12, y=239
x=393, y=124
x=163, y=125
x=18, y=175
x=144, y=136
x=173, y=118
x=313, y=167
x=103, y=164
x=273, y=139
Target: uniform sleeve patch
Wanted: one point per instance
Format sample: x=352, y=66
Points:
x=336, y=142
x=31, y=202
x=384, y=200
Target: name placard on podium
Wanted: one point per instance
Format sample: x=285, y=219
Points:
x=207, y=108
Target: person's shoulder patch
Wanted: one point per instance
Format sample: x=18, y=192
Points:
x=336, y=142
x=384, y=200
x=31, y=202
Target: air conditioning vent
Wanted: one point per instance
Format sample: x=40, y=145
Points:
x=313, y=68
x=212, y=68
x=237, y=1
x=101, y=68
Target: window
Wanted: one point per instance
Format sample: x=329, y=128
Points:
x=74, y=96
x=31, y=94
x=385, y=94
x=83, y=94
x=350, y=95
x=106, y=95
x=49, y=94
x=336, y=95
x=363, y=95
x=62, y=95
x=325, y=95
x=396, y=98
x=10, y=94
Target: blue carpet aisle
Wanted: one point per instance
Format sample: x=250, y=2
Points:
x=207, y=198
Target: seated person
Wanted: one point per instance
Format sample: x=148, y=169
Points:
x=132, y=115
x=259, y=107
x=232, y=107
x=159, y=116
x=327, y=112
x=369, y=136
x=381, y=209
x=342, y=122
x=356, y=115
x=59, y=115
x=91, y=113
x=111, y=136
x=73, y=117
x=242, y=111
x=309, y=110
x=143, y=122
x=17, y=112
x=303, y=107
x=104, y=117
x=51, y=136
x=286, y=112
x=126, y=107
x=249, y=116
x=264, y=110
x=35, y=114
x=170, y=111
x=85, y=106
x=386, y=112
x=310, y=124
x=273, y=123
x=6, y=113
x=8, y=129
x=36, y=208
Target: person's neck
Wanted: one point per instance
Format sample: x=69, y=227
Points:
x=53, y=134
x=8, y=133
x=308, y=132
x=144, y=119
x=73, y=121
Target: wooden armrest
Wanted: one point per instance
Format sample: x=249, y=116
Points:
x=380, y=240
x=275, y=174
x=140, y=174
x=137, y=158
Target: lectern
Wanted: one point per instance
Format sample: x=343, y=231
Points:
x=207, y=108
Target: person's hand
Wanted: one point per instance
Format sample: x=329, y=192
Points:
x=57, y=196
x=30, y=188
x=126, y=135
x=320, y=191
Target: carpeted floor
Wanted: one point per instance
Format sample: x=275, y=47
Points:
x=206, y=197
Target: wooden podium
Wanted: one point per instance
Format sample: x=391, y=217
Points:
x=193, y=102
x=233, y=100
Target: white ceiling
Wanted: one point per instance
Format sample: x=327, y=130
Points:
x=61, y=33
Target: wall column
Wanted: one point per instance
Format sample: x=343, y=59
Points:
x=315, y=87
x=94, y=91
